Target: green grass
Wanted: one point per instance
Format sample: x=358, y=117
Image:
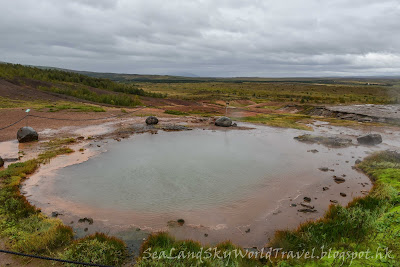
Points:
x=74, y=107
x=84, y=93
x=97, y=248
x=59, y=142
x=189, y=253
x=42, y=105
x=295, y=121
x=175, y=112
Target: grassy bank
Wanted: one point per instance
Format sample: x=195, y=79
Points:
x=25, y=229
x=370, y=223
x=42, y=105
x=86, y=94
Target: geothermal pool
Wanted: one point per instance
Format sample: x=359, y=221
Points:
x=220, y=182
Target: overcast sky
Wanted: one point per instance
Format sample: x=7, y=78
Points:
x=265, y=38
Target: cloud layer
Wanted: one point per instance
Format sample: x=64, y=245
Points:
x=208, y=38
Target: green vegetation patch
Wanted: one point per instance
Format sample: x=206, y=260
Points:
x=163, y=250
x=47, y=105
x=86, y=94
x=98, y=249
x=176, y=112
x=74, y=107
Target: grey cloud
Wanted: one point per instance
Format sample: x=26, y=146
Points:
x=205, y=37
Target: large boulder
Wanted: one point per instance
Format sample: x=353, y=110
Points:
x=27, y=134
x=151, y=120
x=370, y=139
x=1, y=162
x=223, y=122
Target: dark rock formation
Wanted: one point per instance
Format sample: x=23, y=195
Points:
x=151, y=120
x=27, y=134
x=223, y=122
x=370, y=139
x=1, y=162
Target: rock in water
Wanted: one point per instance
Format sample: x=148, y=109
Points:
x=1, y=162
x=151, y=120
x=27, y=134
x=223, y=122
x=370, y=139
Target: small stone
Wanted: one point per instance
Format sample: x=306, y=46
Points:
x=181, y=222
x=55, y=214
x=205, y=235
x=293, y=205
x=307, y=206
x=339, y=180
x=307, y=210
x=324, y=169
x=89, y=220
x=333, y=201
x=325, y=188
x=86, y=229
x=248, y=230
x=307, y=199
x=343, y=194
x=358, y=161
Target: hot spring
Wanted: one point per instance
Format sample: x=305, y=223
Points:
x=220, y=182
